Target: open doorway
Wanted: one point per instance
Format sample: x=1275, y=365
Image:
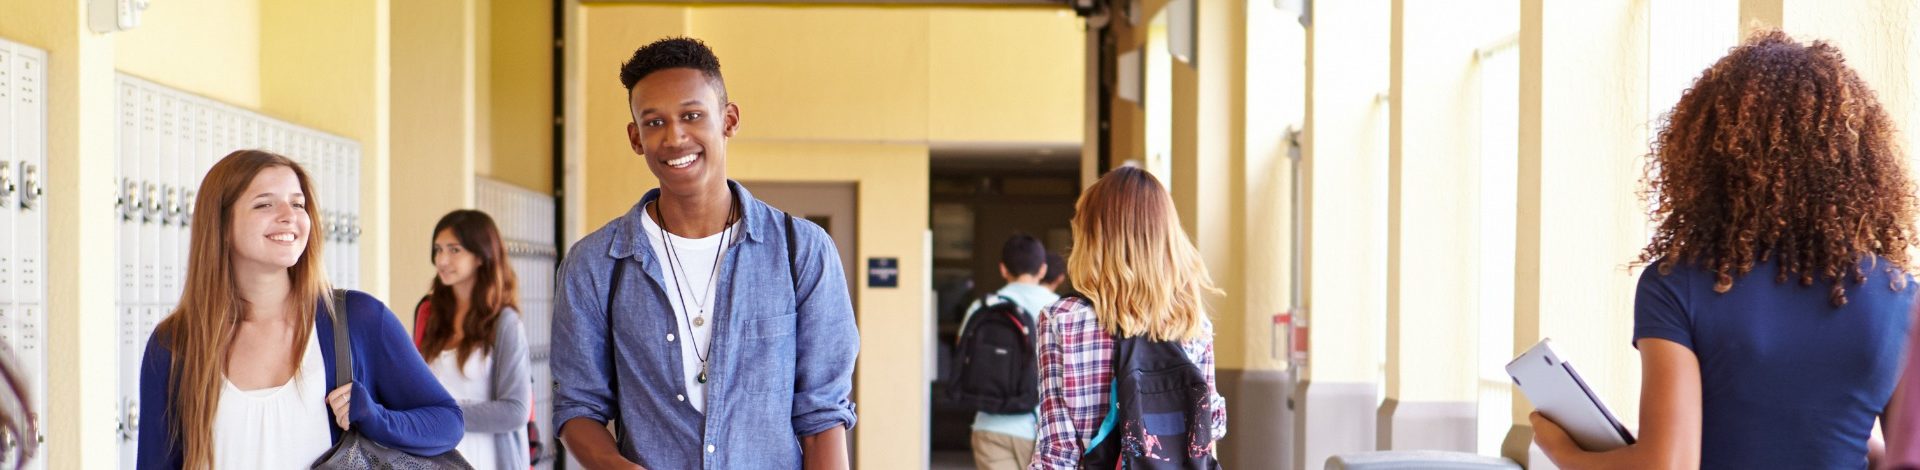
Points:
x=980, y=197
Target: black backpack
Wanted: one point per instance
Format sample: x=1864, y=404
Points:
x=1159, y=414
x=995, y=368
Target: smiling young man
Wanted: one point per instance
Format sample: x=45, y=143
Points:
x=711, y=329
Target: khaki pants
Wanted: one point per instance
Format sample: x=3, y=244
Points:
x=995, y=451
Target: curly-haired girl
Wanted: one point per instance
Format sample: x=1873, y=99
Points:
x=1771, y=319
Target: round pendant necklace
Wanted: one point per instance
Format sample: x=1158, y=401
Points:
x=681, y=283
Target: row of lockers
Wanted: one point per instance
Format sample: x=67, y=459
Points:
x=526, y=221
x=168, y=139
x=23, y=217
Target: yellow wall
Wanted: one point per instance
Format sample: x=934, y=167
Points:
x=327, y=65
x=996, y=76
x=861, y=74
x=519, y=69
x=435, y=132
x=210, y=47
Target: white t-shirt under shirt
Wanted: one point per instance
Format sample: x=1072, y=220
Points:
x=276, y=427
x=696, y=262
x=470, y=384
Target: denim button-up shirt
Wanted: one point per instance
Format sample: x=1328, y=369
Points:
x=782, y=364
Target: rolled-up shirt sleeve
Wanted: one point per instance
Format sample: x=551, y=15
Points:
x=582, y=375
x=828, y=340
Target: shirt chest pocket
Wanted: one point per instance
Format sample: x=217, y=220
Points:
x=768, y=353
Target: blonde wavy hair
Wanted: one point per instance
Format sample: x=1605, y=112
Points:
x=1133, y=261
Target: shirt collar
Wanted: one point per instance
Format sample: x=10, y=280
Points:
x=630, y=235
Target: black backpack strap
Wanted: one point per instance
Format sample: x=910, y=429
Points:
x=342, y=346
x=613, y=360
x=793, y=255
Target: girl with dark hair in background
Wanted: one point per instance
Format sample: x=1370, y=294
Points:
x=468, y=331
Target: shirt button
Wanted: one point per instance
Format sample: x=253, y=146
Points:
x=669, y=337
x=680, y=397
x=709, y=448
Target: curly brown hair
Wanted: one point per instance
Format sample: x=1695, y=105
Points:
x=1780, y=151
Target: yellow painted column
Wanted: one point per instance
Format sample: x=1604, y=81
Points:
x=81, y=360
x=1223, y=186
x=1208, y=145
x=1433, y=210
x=328, y=65
x=1345, y=151
x=435, y=132
x=1583, y=132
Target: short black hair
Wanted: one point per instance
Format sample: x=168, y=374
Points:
x=1056, y=268
x=1023, y=254
x=673, y=53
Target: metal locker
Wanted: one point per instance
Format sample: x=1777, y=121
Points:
x=131, y=206
x=153, y=138
x=9, y=183
x=337, y=210
x=249, y=133
x=11, y=158
x=350, y=152
x=333, y=199
x=166, y=194
x=29, y=291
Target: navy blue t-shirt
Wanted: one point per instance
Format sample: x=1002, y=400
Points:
x=1787, y=380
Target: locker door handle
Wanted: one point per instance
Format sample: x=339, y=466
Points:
x=32, y=189
x=187, y=202
x=173, y=205
x=6, y=183
x=130, y=199
x=129, y=419
x=327, y=227
x=153, y=202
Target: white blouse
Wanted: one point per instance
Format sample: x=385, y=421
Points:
x=276, y=427
x=468, y=385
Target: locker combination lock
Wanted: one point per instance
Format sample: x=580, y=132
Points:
x=32, y=189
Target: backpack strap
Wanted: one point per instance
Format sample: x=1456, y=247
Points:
x=1122, y=353
x=613, y=360
x=420, y=312
x=1106, y=424
x=342, y=346
x=793, y=254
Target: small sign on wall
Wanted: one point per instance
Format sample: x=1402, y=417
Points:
x=883, y=272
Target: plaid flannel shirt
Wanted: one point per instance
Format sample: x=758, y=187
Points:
x=1076, y=378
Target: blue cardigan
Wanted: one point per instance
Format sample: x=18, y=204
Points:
x=396, y=400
